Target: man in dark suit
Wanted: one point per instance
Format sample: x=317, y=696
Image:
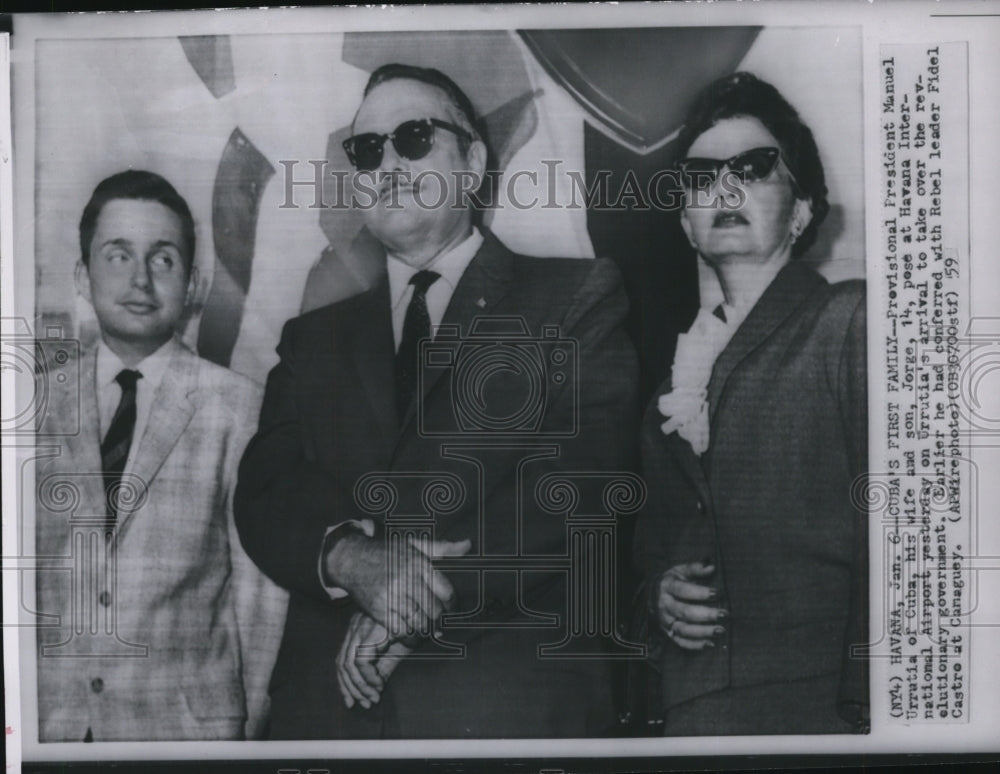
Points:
x=529, y=373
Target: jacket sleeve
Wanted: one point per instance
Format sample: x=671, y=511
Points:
x=853, y=698
x=260, y=605
x=285, y=504
x=605, y=407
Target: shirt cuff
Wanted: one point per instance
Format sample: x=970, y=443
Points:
x=334, y=533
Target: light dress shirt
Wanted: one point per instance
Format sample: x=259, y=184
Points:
x=109, y=392
x=450, y=265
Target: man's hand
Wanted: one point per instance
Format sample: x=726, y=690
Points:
x=687, y=622
x=398, y=588
x=366, y=659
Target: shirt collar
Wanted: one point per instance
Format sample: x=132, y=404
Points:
x=152, y=367
x=450, y=265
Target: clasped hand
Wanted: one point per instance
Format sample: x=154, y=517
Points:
x=680, y=607
x=401, y=597
x=366, y=659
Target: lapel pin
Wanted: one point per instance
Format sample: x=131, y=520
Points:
x=481, y=303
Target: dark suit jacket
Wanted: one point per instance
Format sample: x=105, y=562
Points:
x=328, y=419
x=770, y=501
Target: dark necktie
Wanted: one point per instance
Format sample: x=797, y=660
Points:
x=416, y=326
x=115, y=446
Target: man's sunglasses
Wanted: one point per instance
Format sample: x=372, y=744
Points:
x=412, y=140
x=748, y=166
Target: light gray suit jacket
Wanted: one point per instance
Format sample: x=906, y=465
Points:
x=165, y=630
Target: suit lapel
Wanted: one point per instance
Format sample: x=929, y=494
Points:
x=83, y=449
x=484, y=283
x=369, y=340
x=789, y=290
x=174, y=403
x=479, y=292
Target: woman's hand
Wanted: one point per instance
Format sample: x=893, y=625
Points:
x=681, y=608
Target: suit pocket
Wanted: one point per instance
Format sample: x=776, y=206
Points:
x=215, y=703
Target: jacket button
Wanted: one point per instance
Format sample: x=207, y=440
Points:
x=701, y=507
x=97, y=685
x=104, y=598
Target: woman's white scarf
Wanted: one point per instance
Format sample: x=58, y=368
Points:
x=686, y=406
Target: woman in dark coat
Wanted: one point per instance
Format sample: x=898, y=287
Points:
x=756, y=554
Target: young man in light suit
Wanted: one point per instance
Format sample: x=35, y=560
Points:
x=164, y=629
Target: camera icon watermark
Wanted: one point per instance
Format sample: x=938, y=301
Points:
x=37, y=366
x=503, y=380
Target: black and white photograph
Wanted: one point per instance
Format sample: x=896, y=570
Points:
x=440, y=383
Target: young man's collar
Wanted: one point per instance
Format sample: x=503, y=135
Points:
x=152, y=367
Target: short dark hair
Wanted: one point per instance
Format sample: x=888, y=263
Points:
x=744, y=94
x=436, y=78
x=142, y=185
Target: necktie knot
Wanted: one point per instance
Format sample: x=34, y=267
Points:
x=127, y=379
x=422, y=280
